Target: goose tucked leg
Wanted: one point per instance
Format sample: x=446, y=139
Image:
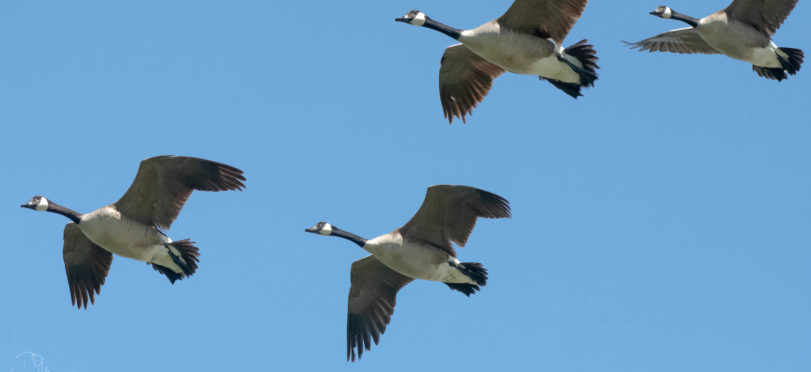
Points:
x=776, y=73
x=173, y=276
x=572, y=89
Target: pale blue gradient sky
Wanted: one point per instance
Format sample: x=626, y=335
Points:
x=660, y=223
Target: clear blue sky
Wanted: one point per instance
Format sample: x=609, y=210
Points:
x=660, y=223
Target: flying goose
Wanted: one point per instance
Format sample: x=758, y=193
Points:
x=131, y=227
x=420, y=249
x=525, y=40
x=742, y=31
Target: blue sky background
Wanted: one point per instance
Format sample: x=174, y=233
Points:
x=660, y=223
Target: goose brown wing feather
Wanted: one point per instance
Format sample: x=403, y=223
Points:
x=544, y=18
x=164, y=183
x=448, y=214
x=86, y=265
x=372, y=297
x=464, y=80
x=683, y=40
x=763, y=15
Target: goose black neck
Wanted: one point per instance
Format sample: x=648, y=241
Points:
x=443, y=28
x=67, y=212
x=684, y=18
x=348, y=236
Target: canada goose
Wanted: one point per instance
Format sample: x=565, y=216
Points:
x=525, y=40
x=131, y=226
x=420, y=249
x=742, y=31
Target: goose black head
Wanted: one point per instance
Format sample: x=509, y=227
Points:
x=37, y=203
x=663, y=11
x=322, y=228
x=414, y=17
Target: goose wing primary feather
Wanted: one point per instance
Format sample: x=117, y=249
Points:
x=86, y=265
x=372, y=297
x=164, y=183
x=683, y=40
x=448, y=214
x=763, y=15
x=464, y=80
x=544, y=18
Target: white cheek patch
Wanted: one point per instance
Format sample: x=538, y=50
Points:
x=668, y=13
x=326, y=230
x=419, y=20
x=42, y=205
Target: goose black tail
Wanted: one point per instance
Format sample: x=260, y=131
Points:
x=187, y=260
x=789, y=65
x=587, y=56
x=476, y=272
x=794, y=61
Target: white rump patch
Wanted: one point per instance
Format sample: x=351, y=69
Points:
x=165, y=239
x=777, y=50
x=558, y=48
